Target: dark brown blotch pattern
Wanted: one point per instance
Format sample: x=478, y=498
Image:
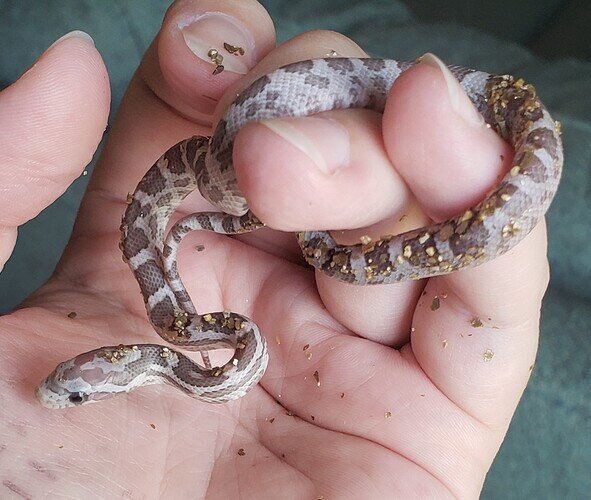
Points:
x=342, y=65
x=214, y=194
x=164, y=200
x=134, y=210
x=468, y=238
x=153, y=182
x=175, y=158
x=218, y=136
x=252, y=91
x=193, y=146
x=543, y=138
x=150, y=278
x=319, y=82
x=204, y=222
x=182, y=182
x=377, y=260
x=135, y=242
x=224, y=157
x=514, y=106
x=414, y=249
x=300, y=67
x=531, y=166
x=380, y=84
x=200, y=163
x=162, y=314
x=374, y=64
x=228, y=225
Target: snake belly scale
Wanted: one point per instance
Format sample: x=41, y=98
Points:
x=483, y=232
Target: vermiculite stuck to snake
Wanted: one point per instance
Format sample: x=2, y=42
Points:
x=482, y=233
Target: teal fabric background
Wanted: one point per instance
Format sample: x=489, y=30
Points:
x=547, y=453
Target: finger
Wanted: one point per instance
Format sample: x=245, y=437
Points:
x=258, y=146
x=52, y=120
x=239, y=33
x=449, y=159
x=324, y=164
x=379, y=313
x=463, y=159
x=488, y=325
x=322, y=158
x=173, y=89
x=335, y=173
x=455, y=168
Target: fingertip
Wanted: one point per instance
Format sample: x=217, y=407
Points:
x=264, y=161
x=316, y=172
x=438, y=142
x=74, y=36
x=202, y=48
x=52, y=120
x=86, y=84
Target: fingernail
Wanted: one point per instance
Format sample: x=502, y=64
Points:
x=222, y=41
x=324, y=140
x=81, y=35
x=460, y=102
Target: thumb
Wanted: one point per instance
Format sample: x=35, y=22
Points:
x=52, y=120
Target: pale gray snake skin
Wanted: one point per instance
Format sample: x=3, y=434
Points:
x=482, y=233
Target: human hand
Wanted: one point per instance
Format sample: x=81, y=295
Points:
x=422, y=420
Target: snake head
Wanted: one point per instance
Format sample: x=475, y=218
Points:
x=88, y=378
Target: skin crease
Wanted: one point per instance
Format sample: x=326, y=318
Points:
x=424, y=421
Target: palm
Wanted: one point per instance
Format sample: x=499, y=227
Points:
x=359, y=423
x=339, y=412
x=360, y=431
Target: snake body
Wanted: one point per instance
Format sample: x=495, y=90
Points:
x=482, y=233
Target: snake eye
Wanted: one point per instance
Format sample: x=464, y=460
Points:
x=76, y=397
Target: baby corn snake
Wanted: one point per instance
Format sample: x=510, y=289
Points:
x=483, y=232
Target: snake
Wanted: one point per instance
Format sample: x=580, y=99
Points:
x=508, y=212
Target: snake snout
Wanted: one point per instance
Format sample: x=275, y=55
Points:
x=52, y=396
x=60, y=389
